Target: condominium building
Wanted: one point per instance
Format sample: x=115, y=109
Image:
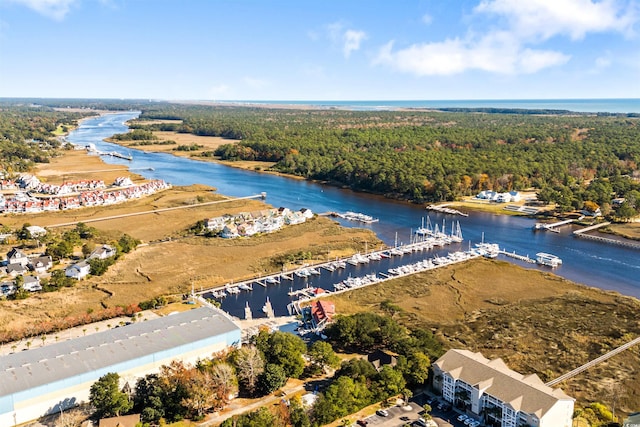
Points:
x=494, y=394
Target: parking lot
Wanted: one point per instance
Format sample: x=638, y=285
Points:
x=441, y=413
x=397, y=416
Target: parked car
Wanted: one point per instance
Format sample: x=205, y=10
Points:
x=382, y=412
x=475, y=423
x=362, y=422
x=462, y=417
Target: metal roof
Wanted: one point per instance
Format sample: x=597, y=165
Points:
x=44, y=365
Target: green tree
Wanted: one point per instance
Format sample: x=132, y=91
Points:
x=148, y=398
x=322, y=355
x=283, y=349
x=272, y=378
x=259, y=418
x=106, y=397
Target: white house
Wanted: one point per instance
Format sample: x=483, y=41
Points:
x=41, y=264
x=488, y=390
x=36, y=231
x=103, y=252
x=16, y=256
x=32, y=283
x=78, y=271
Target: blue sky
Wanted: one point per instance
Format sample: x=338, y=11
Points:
x=320, y=49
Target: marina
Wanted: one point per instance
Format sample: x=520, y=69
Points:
x=585, y=260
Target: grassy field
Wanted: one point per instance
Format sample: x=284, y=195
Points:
x=629, y=230
x=173, y=260
x=537, y=322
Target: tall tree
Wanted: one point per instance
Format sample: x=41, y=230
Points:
x=249, y=365
x=107, y=398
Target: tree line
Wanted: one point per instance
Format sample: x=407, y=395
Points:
x=432, y=156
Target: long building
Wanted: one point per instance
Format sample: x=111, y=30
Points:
x=491, y=392
x=47, y=379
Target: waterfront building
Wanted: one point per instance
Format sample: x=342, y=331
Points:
x=488, y=390
x=48, y=379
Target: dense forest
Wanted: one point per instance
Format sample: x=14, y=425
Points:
x=427, y=156
x=28, y=134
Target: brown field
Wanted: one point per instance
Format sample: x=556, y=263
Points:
x=73, y=165
x=177, y=260
x=537, y=322
x=630, y=230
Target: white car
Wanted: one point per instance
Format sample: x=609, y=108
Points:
x=462, y=417
x=475, y=424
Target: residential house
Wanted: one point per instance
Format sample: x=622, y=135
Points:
x=307, y=213
x=489, y=391
x=382, y=358
x=41, y=264
x=32, y=283
x=16, y=269
x=103, y=252
x=36, y=231
x=16, y=256
x=79, y=270
x=230, y=231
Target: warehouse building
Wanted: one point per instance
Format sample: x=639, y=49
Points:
x=45, y=380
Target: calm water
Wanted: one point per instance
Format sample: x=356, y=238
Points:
x=591, y=263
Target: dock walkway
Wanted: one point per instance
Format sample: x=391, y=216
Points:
x=583, y=234
x=593, y=362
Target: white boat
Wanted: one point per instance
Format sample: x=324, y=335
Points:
x=303, y=272
x=360, y=217
x=549, y=260
x=272, y=280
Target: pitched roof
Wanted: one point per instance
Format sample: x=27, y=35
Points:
x=523, y=393
x=80, y=356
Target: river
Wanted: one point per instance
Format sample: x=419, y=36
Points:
x=584, y=261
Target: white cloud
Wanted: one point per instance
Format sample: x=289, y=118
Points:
x=352, y=40
x=494, y=53
x=349, y=39
x=510, y=47
x=427, y=19
x=543, y=19
x=54, y=9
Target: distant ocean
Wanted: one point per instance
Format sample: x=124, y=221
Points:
x=575, y=105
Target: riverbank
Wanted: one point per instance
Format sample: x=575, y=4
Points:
x=172, y=260
x=536, y=321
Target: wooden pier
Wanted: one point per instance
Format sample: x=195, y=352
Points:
x=626, y=243
x=551, y=227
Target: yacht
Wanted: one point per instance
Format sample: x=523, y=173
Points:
x=549, y=260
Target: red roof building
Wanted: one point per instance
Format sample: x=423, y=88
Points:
x=322, y=312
